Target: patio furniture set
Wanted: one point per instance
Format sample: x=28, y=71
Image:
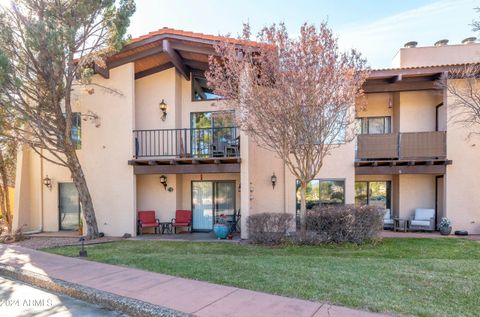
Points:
x=423, y=219
x=146, y=219
x=183, y=218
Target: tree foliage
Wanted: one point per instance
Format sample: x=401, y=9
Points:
x=45, y=48
x=293, y=96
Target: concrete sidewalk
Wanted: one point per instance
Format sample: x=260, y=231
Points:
x=180, y=294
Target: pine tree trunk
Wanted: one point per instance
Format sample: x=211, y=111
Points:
x=84, y=194
x=303, y=210
x=6, y=212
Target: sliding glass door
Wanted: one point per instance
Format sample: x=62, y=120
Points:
x=375, y=193
x=211, y=132
x=69, y=206
x=202, y=205
x=210, y=199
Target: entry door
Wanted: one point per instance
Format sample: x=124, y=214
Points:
x=69, y=207
x=210, y=199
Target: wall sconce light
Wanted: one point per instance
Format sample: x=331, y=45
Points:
x=163, y=108
x=390, y=102
x=163, y=181
x=273, y=179
x=47, y=181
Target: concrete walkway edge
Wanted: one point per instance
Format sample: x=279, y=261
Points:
x=122, y=304
x=141, y=293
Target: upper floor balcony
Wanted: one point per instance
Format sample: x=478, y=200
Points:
x=396, y=153
x=195, y=150
x=400, y=146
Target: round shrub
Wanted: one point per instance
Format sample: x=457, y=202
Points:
x=269, y=228
x=343, y=223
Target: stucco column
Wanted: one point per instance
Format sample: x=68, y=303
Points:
x=244, y=183
x=20, y=190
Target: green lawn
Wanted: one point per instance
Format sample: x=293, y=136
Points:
x=422, y=277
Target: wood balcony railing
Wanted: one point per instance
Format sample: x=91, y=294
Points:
x=187, y=143
x=399, y=146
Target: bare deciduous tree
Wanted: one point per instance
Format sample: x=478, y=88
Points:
x=45, y=46
x=294, y=97
x=463, y=86
x=7, y=178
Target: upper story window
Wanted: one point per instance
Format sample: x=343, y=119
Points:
x=200, y=90
x=77, y=130
x=374, y=125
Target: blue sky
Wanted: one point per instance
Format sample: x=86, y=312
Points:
x=376, y=27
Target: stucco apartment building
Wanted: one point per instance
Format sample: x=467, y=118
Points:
x=164, y=126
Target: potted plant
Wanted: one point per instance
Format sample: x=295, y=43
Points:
x=445, y=227
x=221, y=228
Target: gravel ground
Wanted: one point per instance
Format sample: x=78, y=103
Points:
x=48, y=242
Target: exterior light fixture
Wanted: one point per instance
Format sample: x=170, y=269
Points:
x=82, y=252
x=163, y=108
x=163, y=181
x=47, y=181
x=273, y=179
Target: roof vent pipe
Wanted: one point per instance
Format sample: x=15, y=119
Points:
x=441, y=42
x=410, y=44
x=469, y=40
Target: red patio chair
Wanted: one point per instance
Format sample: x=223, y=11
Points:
x=146, y=219
x=183, y=218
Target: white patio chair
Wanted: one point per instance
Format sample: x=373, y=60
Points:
x=424, y=219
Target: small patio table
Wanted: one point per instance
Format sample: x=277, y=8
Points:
x=399, y=223
x=165, y=227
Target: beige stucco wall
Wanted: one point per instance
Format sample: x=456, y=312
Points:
x=415, y=191
x=412, y=111
x=265, y=197
x=27, y=197
x=151, y=195
x=375, y=105
x=417, y=110
x=258, y=164
x=117, y=193
x=149, y=92
x=104, y=155
x=462, y=179
x=433, y=55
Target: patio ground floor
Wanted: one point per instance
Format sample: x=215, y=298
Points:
x=401, y=195
x=231, y=197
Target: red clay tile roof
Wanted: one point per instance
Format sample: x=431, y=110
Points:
x=426, y=66
x=201, y=36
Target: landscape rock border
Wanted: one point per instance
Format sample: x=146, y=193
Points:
x=122, y=304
